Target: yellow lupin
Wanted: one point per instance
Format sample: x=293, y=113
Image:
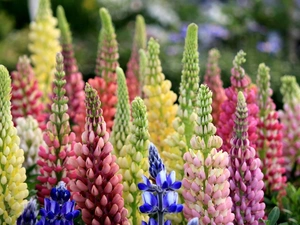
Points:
x=13, y=189
x=44, y=45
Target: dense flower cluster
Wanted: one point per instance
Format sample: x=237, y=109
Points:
x=26, y=96
x=58, y=138
x=74, y=82
x=206, y=187
x=13, y=189
x=269, y=142
x=213, y=80
x=122, y=118
x=133, y=75
x=97, y=188
x=159, y=99
x=44, y=45
x=239, y=82
x=246, y=178
x=106, y=65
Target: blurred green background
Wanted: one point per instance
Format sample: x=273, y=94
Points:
x=267, y=30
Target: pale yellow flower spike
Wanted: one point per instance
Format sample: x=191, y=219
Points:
x=13, y=189
x=159, y=99
x=44, y=45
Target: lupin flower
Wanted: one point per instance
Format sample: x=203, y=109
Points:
x=184, y=121
x=159, y=99
x=206, y=187
x=143, y=61
x=31, y=138
x=59, y=209
x=121, y=125
x=160, y=197
x=58, y=138
x=29, y=215
x=240, y=81
x=213, y=80
x=106, y=65
x=269, y=142
x=74, y=83
x=44, y=45
x=13, y=189
x=26, y=96
x=290, y=119
x=133, y=75
x=133, y=160
x=97, y=189
x=246, y=178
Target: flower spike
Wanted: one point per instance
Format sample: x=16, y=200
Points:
x=58, y=138
x=213, y=80
x=44, y=45
x=269, y=142
x=240, y=81
x=133, y=160
x=133, y=73
x=74, y=82
x=121, y=125
x=206, y=187
x=13, y=189
x=105, y=81
x=29, y=215
x=159, y=98
x=97, y=188
x=245, y=173
x=290, y=120
x=26, y=96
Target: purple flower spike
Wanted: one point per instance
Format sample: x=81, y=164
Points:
x=155, y=162
x=246, y=180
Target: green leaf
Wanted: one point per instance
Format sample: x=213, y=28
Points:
x=274, y=216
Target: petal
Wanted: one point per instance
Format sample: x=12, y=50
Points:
x=176, y=185
x=168, y=222
x=171, y=178
x=142, y=187
x=146, y=208
x=161, y=177
x=194, y=221
x=152, y=222
x=179, y=208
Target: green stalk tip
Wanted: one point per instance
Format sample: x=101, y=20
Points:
x=106, y=20
x=63, y=25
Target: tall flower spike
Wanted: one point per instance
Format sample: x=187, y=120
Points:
x=74, y=83
x=179, y=141
x=240, y=81
x=13, y=189
x=269, y=142
x=246, y=178
x=31, y=138
x=159, y=99
x=54, y=157
x=159, y=197
x=206, y=187
x=44, y=45
x=120, y=129
x=97, y=188
x=290, y=119
x=213, y=80
x=26, y=96
x=106, y=65
x=133, y=160
x=133, y=73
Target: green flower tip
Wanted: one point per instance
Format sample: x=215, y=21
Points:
x=263, y=70
x=44, y=9
x=239, y=59
x=5, y=83
x=241, y=98
x=289, y=88
x=24, y=60
x=138, y=108
x=93, y=103
x=143, y=65
x=153, y=46
x=192, y=32
x=121, y=76
x=63, y=25
x=106, y=20
x=60, y=63
x=140, y=32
